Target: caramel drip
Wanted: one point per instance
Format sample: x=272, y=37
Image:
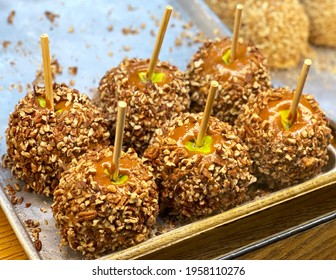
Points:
x=61, y=106
x=126, y=165
x=218, y=69
x=135, y=68
x=185, y=133
x=188, y=132
x=302, y=118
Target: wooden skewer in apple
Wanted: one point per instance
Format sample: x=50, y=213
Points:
x=231, y=54
x=119, y=138
x=48, y=100
x=158, y=43
x=206, y=114
x=235, y=37
x=298, y=92
x=47, y=72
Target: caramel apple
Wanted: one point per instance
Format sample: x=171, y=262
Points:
x=154, y=91
x=150, y=102
x=284, y=153
x=96, y=214
x=247, y=74
x=42, y=142
x=198, y=181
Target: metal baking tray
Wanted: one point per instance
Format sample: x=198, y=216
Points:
x=92, y=37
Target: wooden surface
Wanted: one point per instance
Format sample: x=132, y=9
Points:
x=316, y=243
x=10, y=248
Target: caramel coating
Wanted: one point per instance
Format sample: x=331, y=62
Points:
x=245, y=76
x=41, y=143
x=196, y=185
x=149, y=104
x=282, y=158
x=96, y=219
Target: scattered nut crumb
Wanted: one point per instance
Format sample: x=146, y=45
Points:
x=34, y=228
x=126, y=48
x=216, y=32
x=110, y=28
x=43, y=210
x=5, y=44
x=176, y=15
x=20, y=88
x=129, y=30
x=11, y=192
x=17, y=187
x=50, y=16
x=38, y=245
x=131, y=8
x=28, y=87
x=10, y=18
x=72, y=70
x=20, y=200
x=187, y=25
x=71, y=29
x=14, y=200
x=178, y=42
x=32, y=223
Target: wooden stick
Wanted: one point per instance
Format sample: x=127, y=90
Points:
x=119, y=138
x=298, y=91
x=159, y=40
x=206, y=114
x=235, y=37
x=47, y=72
